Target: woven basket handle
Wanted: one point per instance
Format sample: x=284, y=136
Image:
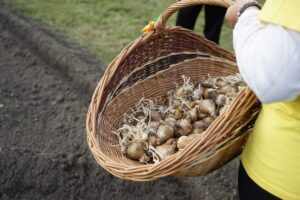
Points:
x=163, y=18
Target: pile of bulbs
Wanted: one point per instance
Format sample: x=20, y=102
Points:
x=157, y=129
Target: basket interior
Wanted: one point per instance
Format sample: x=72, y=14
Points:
x=148, y=48
x=151, y=87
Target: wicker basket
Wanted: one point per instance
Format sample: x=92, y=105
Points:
x=148, y=67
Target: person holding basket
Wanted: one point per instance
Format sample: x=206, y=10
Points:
x=267, y=47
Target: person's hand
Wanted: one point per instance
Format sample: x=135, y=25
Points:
x=232, y=12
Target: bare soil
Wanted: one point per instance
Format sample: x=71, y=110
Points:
x=43, y=148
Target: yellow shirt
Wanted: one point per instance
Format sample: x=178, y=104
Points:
x=282, y=12
x=272, y=153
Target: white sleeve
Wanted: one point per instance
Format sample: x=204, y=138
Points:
x=268, y=57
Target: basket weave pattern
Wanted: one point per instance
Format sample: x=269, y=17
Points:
x=149, y=67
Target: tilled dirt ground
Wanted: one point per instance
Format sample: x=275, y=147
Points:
x=43, y=149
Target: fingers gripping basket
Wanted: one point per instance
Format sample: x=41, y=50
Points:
x=148, y=67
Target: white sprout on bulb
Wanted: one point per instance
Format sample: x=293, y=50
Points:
x=149, y=115
x=155, y=154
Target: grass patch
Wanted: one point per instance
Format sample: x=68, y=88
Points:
x=107, y=26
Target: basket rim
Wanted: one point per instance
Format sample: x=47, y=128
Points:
x=140, y=172
x=143, y=39
x=150, y=168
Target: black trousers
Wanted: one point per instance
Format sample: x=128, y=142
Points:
x=249, y=190
x=214, y=16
